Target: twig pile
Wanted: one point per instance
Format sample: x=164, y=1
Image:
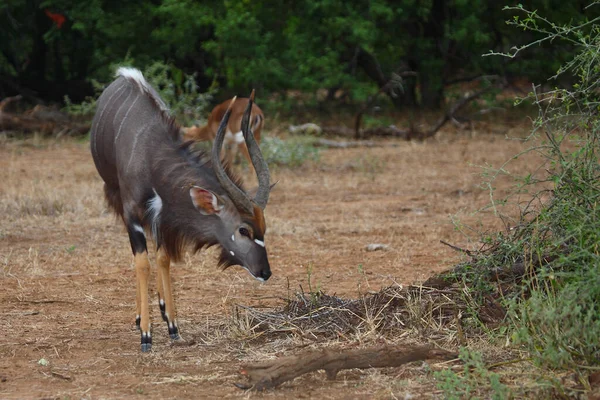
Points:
x=392, y=311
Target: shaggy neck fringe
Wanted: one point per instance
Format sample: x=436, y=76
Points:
x=181, y=168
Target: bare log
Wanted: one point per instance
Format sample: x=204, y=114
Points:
x=273, y=373
x=306, y=129
x=6, y=101
x=44, y=120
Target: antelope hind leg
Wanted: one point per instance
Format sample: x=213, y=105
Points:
x=142, y=273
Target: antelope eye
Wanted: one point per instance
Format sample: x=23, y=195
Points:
x=245, y=232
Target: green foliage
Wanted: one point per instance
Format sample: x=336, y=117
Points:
x=87, y=107
x=370, y=121
x=556, y=310
x=274, y=46
x=472, y=381
x=178, y=90
x=291, y=152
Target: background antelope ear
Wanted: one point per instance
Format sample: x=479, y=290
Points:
x=206, y=201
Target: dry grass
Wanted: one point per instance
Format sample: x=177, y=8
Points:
x=392, y=313
x=69, y=296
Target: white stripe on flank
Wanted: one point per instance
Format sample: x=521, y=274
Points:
x=108, y=103
x=141, y=129
x=125, y=117
x=259, y=242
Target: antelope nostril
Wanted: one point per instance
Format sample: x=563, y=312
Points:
x=266, y=274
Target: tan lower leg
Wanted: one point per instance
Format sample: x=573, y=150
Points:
x=142, y=270
x=138, y=306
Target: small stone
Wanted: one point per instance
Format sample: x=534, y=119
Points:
x=377, y=246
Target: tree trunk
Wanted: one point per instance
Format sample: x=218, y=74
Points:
x=431, y=54
x=432, y=86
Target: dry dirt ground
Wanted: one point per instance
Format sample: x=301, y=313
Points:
x=67, y=302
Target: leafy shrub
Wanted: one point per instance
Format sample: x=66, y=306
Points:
x=471, y=380
x=178, y=90
x=556, y=314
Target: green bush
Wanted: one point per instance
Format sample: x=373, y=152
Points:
x=556, y=310
x=178, y=90
x=472, y=381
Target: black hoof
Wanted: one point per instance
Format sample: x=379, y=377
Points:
x=173, y=331
x=146, y=347
x=146, y=342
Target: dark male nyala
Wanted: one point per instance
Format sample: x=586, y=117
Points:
x=158, y=185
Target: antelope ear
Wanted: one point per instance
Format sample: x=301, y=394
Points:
x=206, y=201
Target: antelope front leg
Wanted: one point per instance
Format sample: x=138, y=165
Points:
x=142, y=273
x=159, y=287
x=166, y=302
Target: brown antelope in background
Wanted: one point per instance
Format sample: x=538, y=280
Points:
x=234, y=138
x=156, y=184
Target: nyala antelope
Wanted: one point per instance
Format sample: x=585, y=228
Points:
x=234, y=138
x=157, y=185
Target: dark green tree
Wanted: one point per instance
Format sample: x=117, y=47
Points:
x=275, y=46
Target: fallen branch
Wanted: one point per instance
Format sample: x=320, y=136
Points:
x=6, y=101
x=273, y=373
x=44, y=120
x=450, y=113
x=453, y=247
